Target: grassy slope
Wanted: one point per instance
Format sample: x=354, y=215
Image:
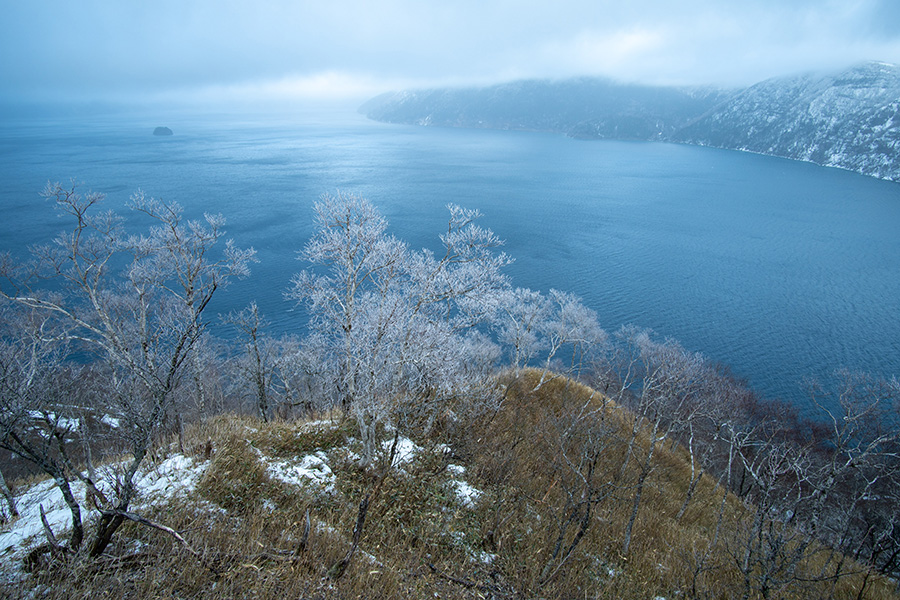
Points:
x=535, y=463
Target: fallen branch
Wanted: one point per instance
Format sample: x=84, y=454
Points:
x=144, y=521
x=304, y=539
x=51, y=539
x=463, y=582
x=337, y=569
x=467, y=583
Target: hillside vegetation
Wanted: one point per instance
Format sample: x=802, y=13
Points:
x=436, y=432
x=530, y=502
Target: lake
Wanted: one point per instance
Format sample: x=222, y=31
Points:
x=782, y=270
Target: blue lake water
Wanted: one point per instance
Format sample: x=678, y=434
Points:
x=779, y=269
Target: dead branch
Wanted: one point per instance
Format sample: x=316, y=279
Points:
x=304, y=539
x=51, y=539
x=165, y=529
x=337, y=569
x=467, y=583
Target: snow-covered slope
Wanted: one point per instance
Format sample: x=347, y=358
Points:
x=176, y=477
x=848, y=120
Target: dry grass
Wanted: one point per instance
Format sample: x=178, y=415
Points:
x=419, y=540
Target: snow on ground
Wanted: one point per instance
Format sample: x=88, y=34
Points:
x=172, y=477
x=178, y=475
x=21, y=532
x=59, y=422
x=406, y=450
x=320, y=425
x=456, y=469
x=312, y=469
x=465, y=493
x=175, y=476
x=111, y=422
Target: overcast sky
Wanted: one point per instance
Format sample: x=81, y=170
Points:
x=118, y=49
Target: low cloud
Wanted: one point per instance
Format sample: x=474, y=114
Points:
x=347, y=48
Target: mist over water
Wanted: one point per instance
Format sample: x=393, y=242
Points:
x=779, y=269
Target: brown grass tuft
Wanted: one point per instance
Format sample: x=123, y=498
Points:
x=550, y=447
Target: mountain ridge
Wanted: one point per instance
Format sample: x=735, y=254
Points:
x=848, y=119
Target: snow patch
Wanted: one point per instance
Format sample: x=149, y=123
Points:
x=27, y=529
x=111, y=422
x=465, y=493
x=59, y=422
x=405, y=452
x=312, y=469
x=175, y=476
x=172, y=477
x=320, y=425
x=456, y=469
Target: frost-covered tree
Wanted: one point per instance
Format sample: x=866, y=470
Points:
x=519, y=321
x=255, y=364
x=396, y=326
x=37, y=420
x=135, y=304
x=280, y=374
x=661, y=382
x=557, y=331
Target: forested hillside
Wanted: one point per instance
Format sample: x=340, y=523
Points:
x=847, y=119
x=585, y=107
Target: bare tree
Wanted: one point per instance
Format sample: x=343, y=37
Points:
x=574, y=326
x=134, y=301
x=661, y=382
x=256, y=365
x=552, y=327
x=769, y=549
x=577, y=437
x=700, y=425
x=301, y=375
x=520, y=316
x=36, y=421
x=351, y=242
x=204, y=363
x=281, y=374
x=854, y=481
x=390, y=323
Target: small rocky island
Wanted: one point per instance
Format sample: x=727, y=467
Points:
x=163, y=131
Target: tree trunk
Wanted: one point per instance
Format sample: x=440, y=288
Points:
x=199, y=383
x=7, y=494
x=110, y=521
x=634, y=511
x=77, y=528
x=262, y=398
x=338, y=569
x=690, y=494
x=639, y=492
